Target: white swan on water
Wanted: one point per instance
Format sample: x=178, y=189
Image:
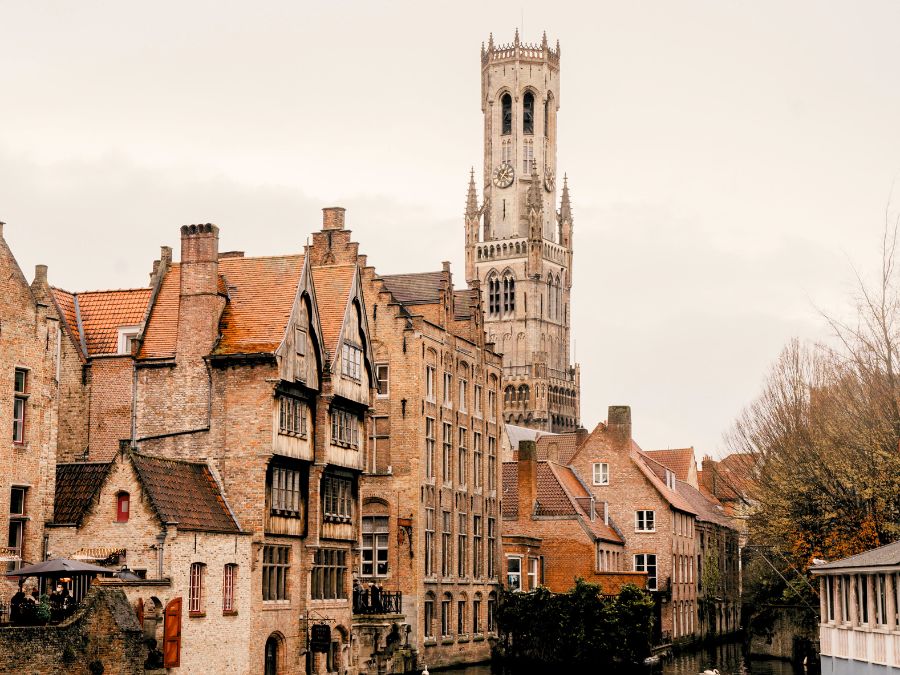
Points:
x=714, y=671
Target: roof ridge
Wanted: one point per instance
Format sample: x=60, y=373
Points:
x=264, y=257
x=81, y=463
x=169, y=459
x=105, y=290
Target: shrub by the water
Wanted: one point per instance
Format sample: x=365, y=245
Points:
x=577, y=628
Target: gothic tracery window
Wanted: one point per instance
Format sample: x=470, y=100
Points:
x=493, y=296
x=506, y=112
x=528, y=113
x=509, y=294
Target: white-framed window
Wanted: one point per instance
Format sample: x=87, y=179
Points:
x=646, y=562
x=374, y=546
x=381, y=379
x=126, y=337
x=344, y=428
x=463, y=395
x=337, y=499
x=292, y=416
x=351, y=361
x=429, y=383
x=645, y=521
x=448, y=390
x=195, y=589
x=601, y=473
x=533, y=573
x=285, y=492
x=514, y=573
x=20, y=398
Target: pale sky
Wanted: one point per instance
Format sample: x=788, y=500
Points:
x=729, y=161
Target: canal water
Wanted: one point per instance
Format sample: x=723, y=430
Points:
x=728, y=658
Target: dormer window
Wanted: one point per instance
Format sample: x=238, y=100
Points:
x=351, y=361
x=127, y=337
x=300, y=341
x=123, y=507
x=670, y=479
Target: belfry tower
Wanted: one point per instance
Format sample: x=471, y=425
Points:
x=518, y=246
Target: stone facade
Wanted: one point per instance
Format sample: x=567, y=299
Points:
x=518, y=247
x=30, y=352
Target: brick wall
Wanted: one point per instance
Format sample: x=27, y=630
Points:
x=105, y=633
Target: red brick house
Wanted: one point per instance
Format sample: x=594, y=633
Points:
x=554, y=531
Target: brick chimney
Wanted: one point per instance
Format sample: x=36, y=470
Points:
x=619, y=421
x=333, y=218
x=200, y=306
x=527, y=484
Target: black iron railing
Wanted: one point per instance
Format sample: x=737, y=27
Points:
x=370, y=601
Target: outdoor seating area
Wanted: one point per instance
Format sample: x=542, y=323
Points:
x=49, y=592
x=373, y=599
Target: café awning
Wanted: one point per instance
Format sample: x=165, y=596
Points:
x=59, y=567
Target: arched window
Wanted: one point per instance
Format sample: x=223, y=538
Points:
x=558, y=295
x=446, y=614
x=509, y=394
x=195, y=591
x=493, y=296
x=506, y=113
x=429, y=615
x=547, y=117
x=273, y=655
x=528, y=113
x=523, y=394
x=509, y=294
x=550, y=297
x=123, y=507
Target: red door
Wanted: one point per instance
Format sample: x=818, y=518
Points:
x=172, y=634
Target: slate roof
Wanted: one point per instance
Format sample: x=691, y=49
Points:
x=679, y=460
x=706, y=509
x=332, y=284
x=416, y=289
x=883, y=556
x=101, y=314
x=465, y=302
x=260, y=294
x=559, y=493
x=76, y=485
x=185, y=493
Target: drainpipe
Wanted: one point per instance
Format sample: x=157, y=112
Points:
x=160, y=550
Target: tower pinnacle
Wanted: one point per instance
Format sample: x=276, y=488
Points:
x=472, y=197
x=565, y=206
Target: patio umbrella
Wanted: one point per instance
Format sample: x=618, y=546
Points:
x=59, y=567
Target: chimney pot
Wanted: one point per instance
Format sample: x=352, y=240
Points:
x=619, y=420
x=446, y=265
x=527, y=483
x=40, y=274
x=333, y=218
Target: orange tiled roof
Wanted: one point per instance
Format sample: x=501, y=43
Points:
x=566, y=445
x=102, y=313
x=559, y=493
x=651, y=470
x=260, y=295
x=678, y=460
x=332, y=284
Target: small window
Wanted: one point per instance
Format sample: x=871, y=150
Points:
x=375, y=546
x=123, y=507
x=127, y=337
x=646, y=562
x=195, y=591
x=381, y=379
x=300, y=341
x=429, y=383
x=463, y=390
x=533, y=567
x=514, y=574
x=17, y=501
x=477, y=396
x=351, y=361
x=229, y=577
x=20, y=397
x=448, y=390
x=645, y=521
x=601, y=473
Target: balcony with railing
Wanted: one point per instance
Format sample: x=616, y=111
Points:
x=374, y=601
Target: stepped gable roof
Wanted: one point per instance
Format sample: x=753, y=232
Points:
x=706, y=509
x=76, y=485
x=559, y=493
x=679, y=460
x=94, y=317
x=883, y=556
x=566, y=446
x=332, y=284
x=259, y=294
x=465, y=302
x=185, y=493
x=422, y=288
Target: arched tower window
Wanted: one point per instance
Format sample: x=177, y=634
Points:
x=558, y=295
x=528, y=113
x=493, y=296
x=547, y=118
x=549, y=296
x=506, y=112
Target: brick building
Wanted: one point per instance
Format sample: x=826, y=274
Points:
x=518, y=247
x=554, y=532
x=431, y=502
x=30, y=344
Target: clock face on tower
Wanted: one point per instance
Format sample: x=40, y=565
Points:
x=503, y=175
x=549, y=180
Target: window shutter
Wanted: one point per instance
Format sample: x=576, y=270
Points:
x=172, y=635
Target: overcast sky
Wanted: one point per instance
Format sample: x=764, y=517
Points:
x=729, y=161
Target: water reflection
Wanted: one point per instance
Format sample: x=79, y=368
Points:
x=727, y=658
